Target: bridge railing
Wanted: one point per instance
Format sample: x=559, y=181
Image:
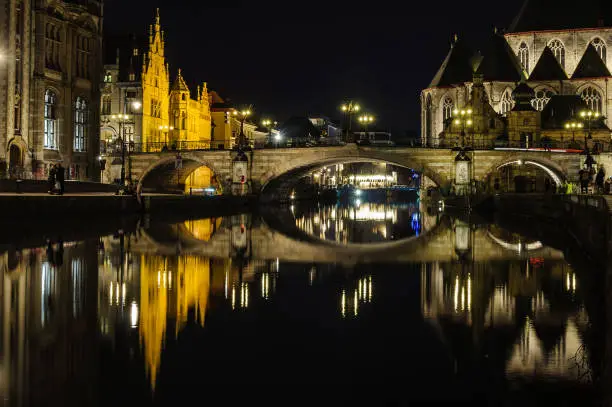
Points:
x=595, y=147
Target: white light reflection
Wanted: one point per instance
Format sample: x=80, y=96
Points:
x=134, y=314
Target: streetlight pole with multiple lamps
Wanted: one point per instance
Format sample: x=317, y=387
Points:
x=243, y=142
x=349, y=108
x=270, y=125
x=365, y=120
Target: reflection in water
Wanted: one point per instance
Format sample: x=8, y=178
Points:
x=360, y=222
x=524, y=312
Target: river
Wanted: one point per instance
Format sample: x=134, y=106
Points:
x=354, y=303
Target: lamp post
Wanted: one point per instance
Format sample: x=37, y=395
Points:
x=349, y=108
x=122, y=119
x=589, y=116
x=365, y=120
x=243, y=142
x=165, y=130
x=462, y=119
x=574, y=126
x=269, y=124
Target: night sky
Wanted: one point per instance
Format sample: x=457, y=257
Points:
x=288, y=60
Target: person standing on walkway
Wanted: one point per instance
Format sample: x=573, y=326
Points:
x=60, y=178
x=584, y=181
x=51, y=179
x=599, y=180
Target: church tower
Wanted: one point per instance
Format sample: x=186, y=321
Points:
x=524, y=122
x=179, y=106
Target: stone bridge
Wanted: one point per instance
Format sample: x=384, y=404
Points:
x=265, y=243
x=270, y=169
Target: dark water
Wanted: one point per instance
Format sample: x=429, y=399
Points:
x=199, y=312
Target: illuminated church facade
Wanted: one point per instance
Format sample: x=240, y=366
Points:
x=563, y=57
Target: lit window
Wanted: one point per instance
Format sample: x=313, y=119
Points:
x=80, y=125
x=558, y=50
x=600, y=47
x=507, y=103
x=542, y=97
x=523, y=54
x=447, y=108
x=592, y=98
x=135, y=52
x=132, y=77
x=50, y=121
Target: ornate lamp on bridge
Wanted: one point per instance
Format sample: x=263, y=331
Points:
x=242, y=143
x=349, y=108
x=463, y=163
x=270, y=125
x=365, y=120
x=589, y=116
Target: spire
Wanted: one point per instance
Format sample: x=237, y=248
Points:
x=456, y=68
x=523, y=94
x=179, y=83
x=157, y=17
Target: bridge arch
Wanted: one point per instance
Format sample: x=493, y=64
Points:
x=162, y=176
x=282, y=176
x=552, y=169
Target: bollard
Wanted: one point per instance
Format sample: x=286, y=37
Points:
x=18, y=186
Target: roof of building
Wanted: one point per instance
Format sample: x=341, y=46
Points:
x=563, y=108
x=522, y=95
x=456, y=68
x=547, y=68
x=538, y=15
x=123, y=47
x=179, y=83
x=499, y=62
x=591, y=65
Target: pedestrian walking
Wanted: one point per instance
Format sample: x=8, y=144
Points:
x=60, y=178
x=51, y=179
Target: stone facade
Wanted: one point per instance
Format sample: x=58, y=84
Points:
x=569, y=48
x=49, y=87
x=143, y=107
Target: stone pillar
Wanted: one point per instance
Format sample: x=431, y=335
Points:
x=240, y=174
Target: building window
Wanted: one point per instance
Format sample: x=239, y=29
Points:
x=132, y=77
x=50, y=123
x=523, y=54
x=183, y=121
x=135, y=52
x=108, y=78
x=507, y=103
x=129, y=132
x=80, y=125
x=82, y=59
x=447, y=108
x=558, y=50
x=592, y=98
x=428, y=121
x=52, y=47
x=600, y=47
x=183, y=96
x=176, y=119
x=541, y=99
x=106, y=104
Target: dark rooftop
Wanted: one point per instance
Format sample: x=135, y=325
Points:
x=563, y=108
x=591, y=65
x=456, y=67
x=547, y=68
x=499, y=62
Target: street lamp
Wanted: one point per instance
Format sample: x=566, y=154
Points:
x=365, y=120
x=269, y=124
x=589, y=116
x=349, y=108
x=243, y=141
x=122, y=119
x=462, y=118
x=165, y=130
x=574, y=126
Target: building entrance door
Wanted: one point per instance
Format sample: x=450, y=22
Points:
x=15, y=161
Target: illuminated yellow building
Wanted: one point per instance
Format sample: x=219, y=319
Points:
x=141, y=105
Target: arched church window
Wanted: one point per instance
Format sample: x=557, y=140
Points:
x=592, y=98
x=507, y=103
x=428, y=114
x=523, y=54
x=447, y=108
x=542, y=97
x=183, y=96
x=183, y=121
x=558, y=50
x=50, y=120
x=600, y=47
